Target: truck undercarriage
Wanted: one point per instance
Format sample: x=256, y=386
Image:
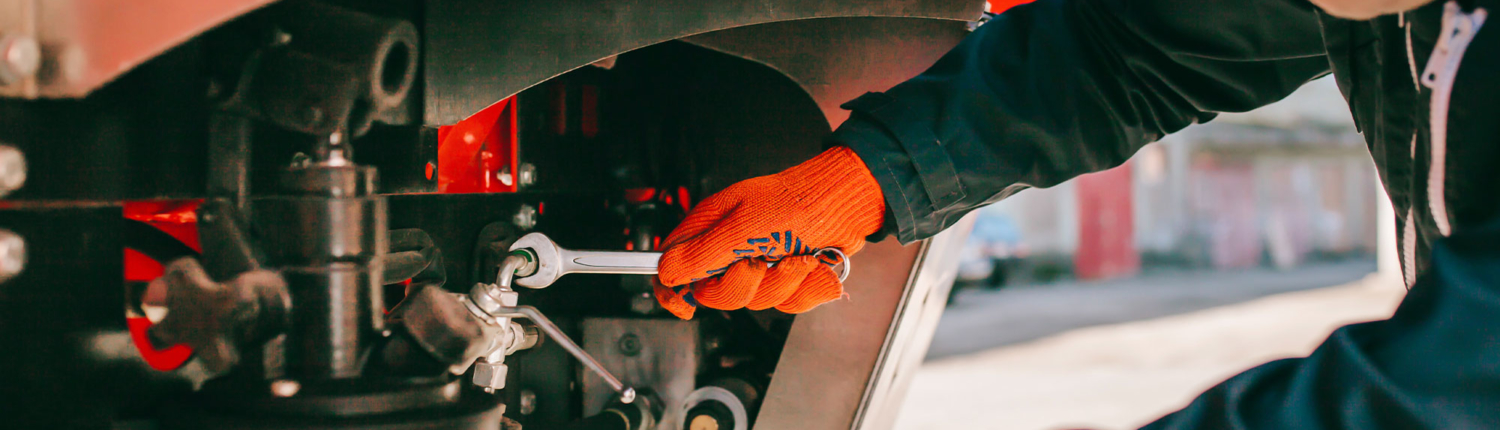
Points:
x=273, y=215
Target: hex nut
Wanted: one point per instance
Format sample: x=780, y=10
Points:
x=490, y=375
x=505, y=177
x=285, y=388
x=526, y=174
x=527, y=402
x=629, y=345
x=20, y=57
x=644, y=303
x=525, y=217
x=490, y=298
x=12, y=169
x=12, y=254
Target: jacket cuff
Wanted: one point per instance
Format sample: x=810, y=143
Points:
x=915, y=173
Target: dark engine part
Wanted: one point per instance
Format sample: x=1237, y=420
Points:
x=316, y=68
x=325, y=237
x=326, y=233
x=312, y=296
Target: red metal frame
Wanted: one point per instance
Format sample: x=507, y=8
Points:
x=472, y=153
x=997, y=6
x=99, y=40
x=178, y=218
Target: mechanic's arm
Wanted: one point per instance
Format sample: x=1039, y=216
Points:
x=1057, y=88
x=1434, y=365
x=1042, y=93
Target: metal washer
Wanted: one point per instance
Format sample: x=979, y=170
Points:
x=698, y=396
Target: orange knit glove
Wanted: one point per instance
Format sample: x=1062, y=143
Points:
x=721, y=253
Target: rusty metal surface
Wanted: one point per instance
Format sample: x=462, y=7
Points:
x=87, y=43
x=479, y=51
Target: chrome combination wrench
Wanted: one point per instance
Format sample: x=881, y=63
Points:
x=550, y=262
x=535, y=261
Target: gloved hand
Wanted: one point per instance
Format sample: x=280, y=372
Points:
x=719, y=256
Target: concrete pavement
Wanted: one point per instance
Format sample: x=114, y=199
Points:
x=1121, y=376
x=980, y=320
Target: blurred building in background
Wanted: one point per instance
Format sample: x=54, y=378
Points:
x=1281, y=186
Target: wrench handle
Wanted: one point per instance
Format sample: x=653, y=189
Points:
x=611, y=262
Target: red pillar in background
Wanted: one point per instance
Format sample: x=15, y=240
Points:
x=1106, y=225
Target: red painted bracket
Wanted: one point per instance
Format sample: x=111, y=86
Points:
x=178, y=218
x=478, y=155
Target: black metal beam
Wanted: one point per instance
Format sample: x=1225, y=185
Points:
x=478, y=52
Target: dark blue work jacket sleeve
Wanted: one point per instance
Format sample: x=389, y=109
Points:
x=1432, y=366
x=1058, y=88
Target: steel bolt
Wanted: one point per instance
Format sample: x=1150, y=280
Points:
x=490, y=376
x=450, y=391
x=525, y=217
x=12, y=169
x=301, y=160
x=12, y=254
x=527, y=402
x=643, y=303
x=526, y=174
x=280, y=37
x=490, y=298
x=285, y=388
x=630, y=345
x=504, y=176
x=20, y=57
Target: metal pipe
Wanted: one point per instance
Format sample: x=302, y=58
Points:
x=627, y=394
x=513, y=262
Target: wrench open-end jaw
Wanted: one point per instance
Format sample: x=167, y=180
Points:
x=549, y=261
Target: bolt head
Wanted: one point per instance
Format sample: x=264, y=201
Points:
x=280, y=37
x=527, y=402
x=12, y=169
x=643, y=303
x=20, y=57
x=450, y=391
x=505, y=177
x=630, y=345
x=525, y=217
x=526, y=174
x=627, y=396
x=490, y=375
x=301, y=160
x=490, y=298
x=12, y=254
x=285, y=388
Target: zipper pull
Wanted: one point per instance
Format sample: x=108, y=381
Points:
x=1459, y=28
